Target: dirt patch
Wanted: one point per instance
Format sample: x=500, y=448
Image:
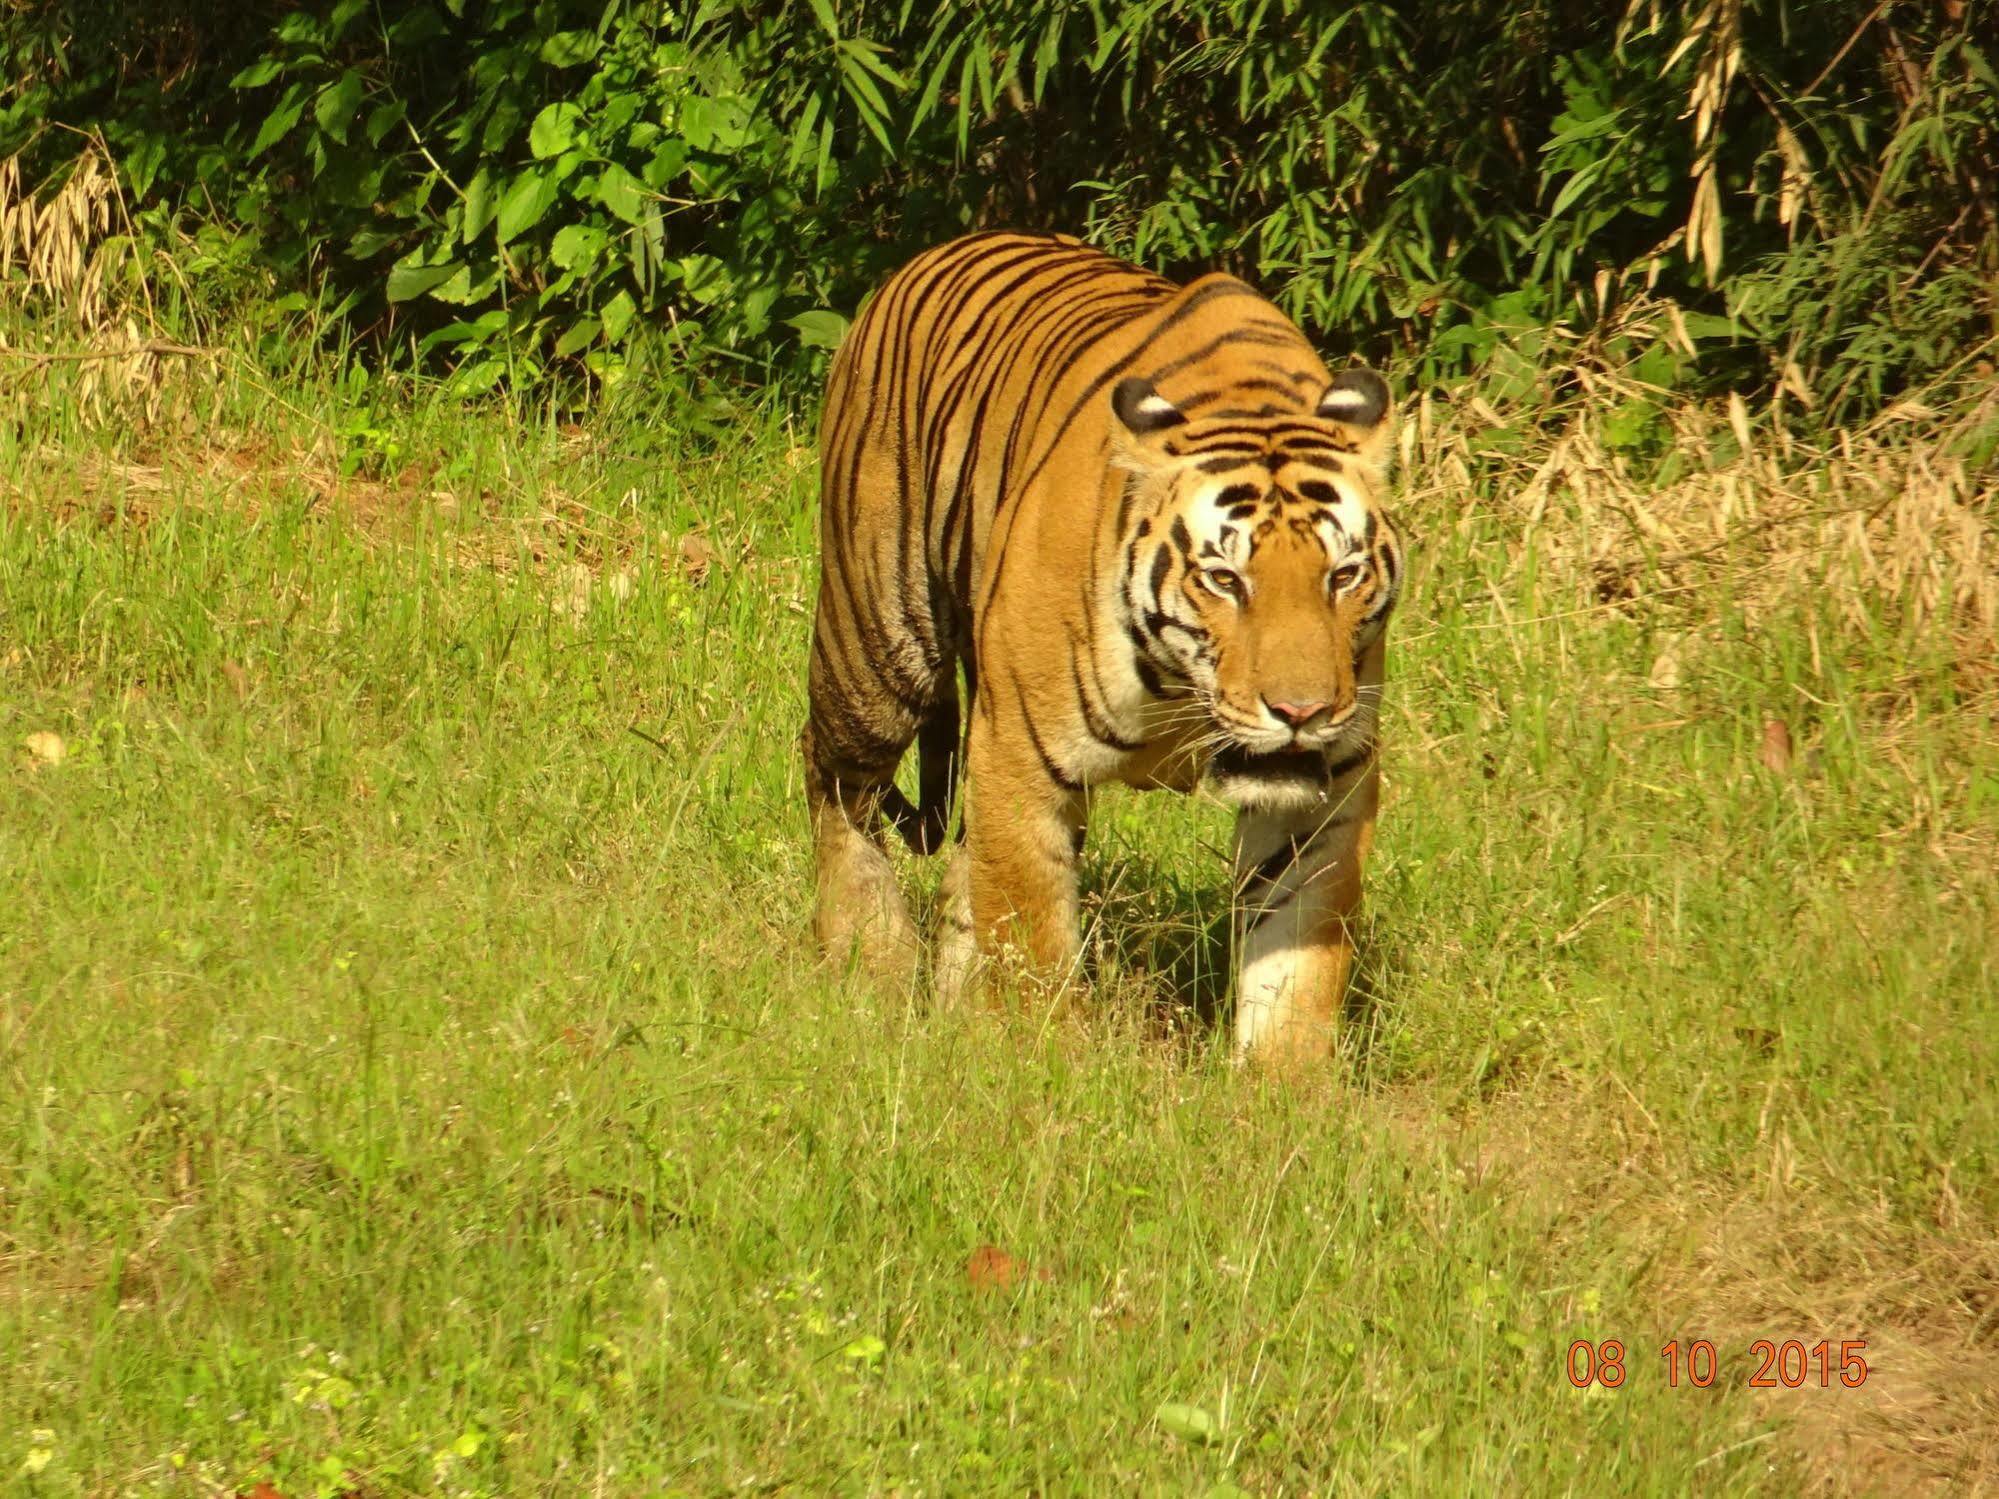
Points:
x=246, y=475
x=1733, y=1267
x=1926, y=1417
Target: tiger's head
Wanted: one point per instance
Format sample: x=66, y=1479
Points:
x=1260, y=571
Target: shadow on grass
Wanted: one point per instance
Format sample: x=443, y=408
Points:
x=1161, y=943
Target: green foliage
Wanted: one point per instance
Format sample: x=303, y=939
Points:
x=509, y=185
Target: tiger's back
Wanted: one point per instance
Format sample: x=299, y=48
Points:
x=933, y=407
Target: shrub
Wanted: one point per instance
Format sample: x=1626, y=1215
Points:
x=513, y=186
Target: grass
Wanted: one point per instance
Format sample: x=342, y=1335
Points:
x=414, y=1075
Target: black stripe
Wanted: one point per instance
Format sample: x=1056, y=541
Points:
x=1271, y=869
x=1042, y=378
x=1099, y=729
x=1269, y=909
x=1237, y=389
x=1009, y=339
x=1261, y=331
x=1127, y=497
x=1309, y=378
x=1104, y=378
x=1343, y=767
x=1264, y=432
x=961, y=291
x=1093, y=653
x=1016, y=355
x=1228, y=464
x=919, y=321
x=1053, y=770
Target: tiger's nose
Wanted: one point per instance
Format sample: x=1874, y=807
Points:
x=1295, y=715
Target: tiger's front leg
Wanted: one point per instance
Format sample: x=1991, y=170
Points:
x=1017, y=881
x=1297, y=882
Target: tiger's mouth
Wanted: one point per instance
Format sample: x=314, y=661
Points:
x=1280, y=779
x=1274, y=765
x=1287, y=780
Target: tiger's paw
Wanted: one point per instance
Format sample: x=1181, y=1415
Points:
x=1293, y=1050
x=1289, y=1004
x=862, y=923
x=954, y=961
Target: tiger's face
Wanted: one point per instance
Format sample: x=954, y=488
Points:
x=1260, y=574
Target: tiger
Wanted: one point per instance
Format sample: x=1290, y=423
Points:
x=1146, y=524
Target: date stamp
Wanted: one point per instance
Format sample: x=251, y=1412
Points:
x=1791, y=1364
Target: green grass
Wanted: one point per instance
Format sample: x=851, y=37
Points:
x=412, y=1080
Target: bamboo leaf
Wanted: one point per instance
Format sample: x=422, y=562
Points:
x=860, y=85
x=933, y=87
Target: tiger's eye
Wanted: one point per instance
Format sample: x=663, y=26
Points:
x=1226, y=581
x=1345, y=577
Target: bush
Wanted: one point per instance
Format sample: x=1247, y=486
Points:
x=514, y=186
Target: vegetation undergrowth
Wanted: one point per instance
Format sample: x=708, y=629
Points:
x=519, y=186
x=417, y=1077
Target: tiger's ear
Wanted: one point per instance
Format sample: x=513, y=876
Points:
x=1142, y=414
x=1358, y=400
x=1142, y=409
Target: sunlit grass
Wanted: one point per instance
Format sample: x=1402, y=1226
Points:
x=414, y=1079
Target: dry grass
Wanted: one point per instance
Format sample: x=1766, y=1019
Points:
x=61, y=240
x=1927, y=1418
x=1762, y=1262
x=71, y=271
x=1893, y=513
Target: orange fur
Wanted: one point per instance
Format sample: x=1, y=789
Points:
x=1143, y=521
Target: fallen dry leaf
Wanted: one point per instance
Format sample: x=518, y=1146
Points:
x=697, y=555
x=239, y=679
x=47, y=747
x=991, y=1268
x=1665, y=672
x=1776, y=751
